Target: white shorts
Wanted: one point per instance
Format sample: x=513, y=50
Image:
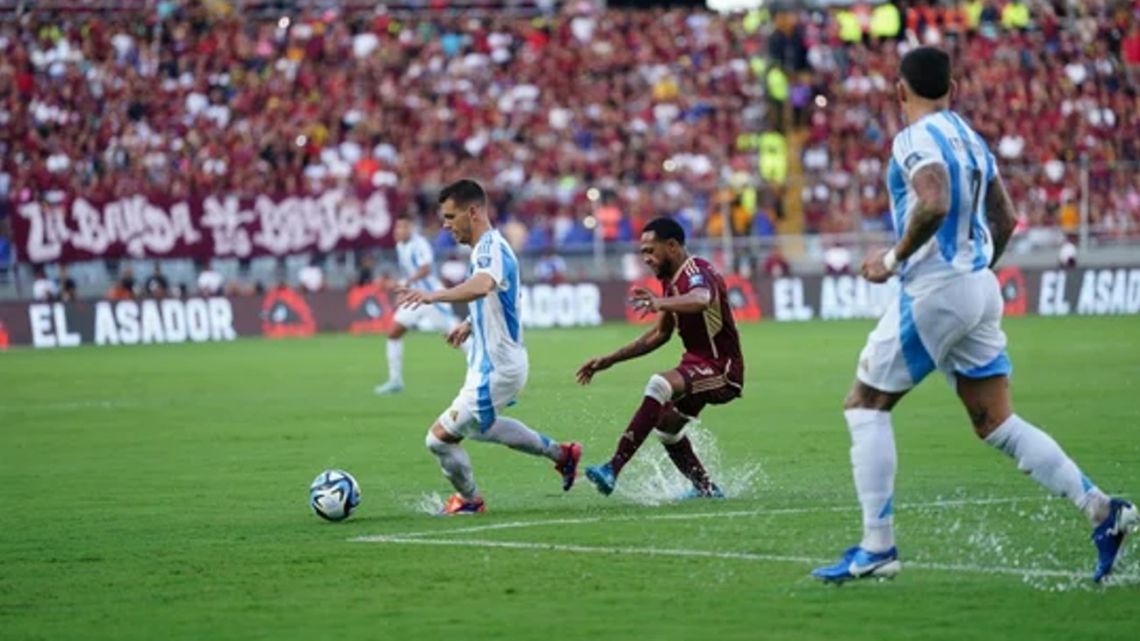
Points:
x=956, y=329
x=482, y=398
x=427, y=318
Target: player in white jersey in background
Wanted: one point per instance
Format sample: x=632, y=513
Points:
x=416, y=261
x=497, y=360
x=945, y=194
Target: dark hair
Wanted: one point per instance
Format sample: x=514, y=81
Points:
x=927, y=72
x=464, y=193
x=407, y=215
x=666, y=229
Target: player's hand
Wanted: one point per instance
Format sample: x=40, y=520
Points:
x=456, y=336
x=412, y=298
x=644, y=300
x=593, y=366
x=873, y=268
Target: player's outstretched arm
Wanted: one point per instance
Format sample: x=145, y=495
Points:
x=475, y=287
x=932, y=186
x=690, y=302
x=1001, y=215
x=657, y=336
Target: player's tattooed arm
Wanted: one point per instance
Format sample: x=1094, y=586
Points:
x=657, y=336
x=932, y=186
x=1001, y=214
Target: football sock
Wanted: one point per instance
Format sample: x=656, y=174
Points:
x=517, y=436
x=658, y=391
x=873, y=464
x=644, y=419
x=1038, y=455
x=396, y=360
x=456, y=465
x=683, y=456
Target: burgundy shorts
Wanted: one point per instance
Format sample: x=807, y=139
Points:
x=707, y=382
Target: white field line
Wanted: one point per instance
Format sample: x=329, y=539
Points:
x=743, y=556
x=684, y=516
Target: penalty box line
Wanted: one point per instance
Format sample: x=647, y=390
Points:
x=684, y=516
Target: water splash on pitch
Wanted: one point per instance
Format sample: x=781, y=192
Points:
x=430, y=503
x=1033, y=536
x=652, y=479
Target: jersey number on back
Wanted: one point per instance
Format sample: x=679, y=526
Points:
x=976, y=189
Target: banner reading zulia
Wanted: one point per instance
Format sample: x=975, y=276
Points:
x=214, y=226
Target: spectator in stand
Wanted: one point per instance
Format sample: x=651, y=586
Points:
x=365, y=272
x=210, y=282
x=43, y=288
x=776, y=266
x=124, y=288
x=837, y=260
x=6, y=258
x=156, y=285
x=551, y=268
x=68, y=291
x=1067, y=256
x=311, y=276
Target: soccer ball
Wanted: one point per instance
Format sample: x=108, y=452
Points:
x=334, y=495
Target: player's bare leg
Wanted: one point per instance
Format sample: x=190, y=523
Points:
x=658, y=391
x=873, y=464
x=456, y=466
x=988, y=403
x=395, y=382
x=670, y=431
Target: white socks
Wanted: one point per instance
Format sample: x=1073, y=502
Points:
x=396, y=360
x=873, y=464
x=874, y=461
x=517, y=436
x=1038, y=455
x=456, y=465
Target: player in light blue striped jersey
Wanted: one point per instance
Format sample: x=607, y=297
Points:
x=946, y=195
x=417, y=269
x=497, y=364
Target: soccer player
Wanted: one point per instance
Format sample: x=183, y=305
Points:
x=946, y=194
x=711, y=371
x=497, y=361
x=417, y=267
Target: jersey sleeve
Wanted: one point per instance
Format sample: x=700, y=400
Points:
x=488, y=259
x=694, y=276
x=913, y=149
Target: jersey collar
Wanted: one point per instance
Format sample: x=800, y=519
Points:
x=681, y=269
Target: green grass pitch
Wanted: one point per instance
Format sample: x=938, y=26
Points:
x=159, y=492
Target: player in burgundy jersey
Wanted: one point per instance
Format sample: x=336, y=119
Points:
x=711, y=370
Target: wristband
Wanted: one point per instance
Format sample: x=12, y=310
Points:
x=890, y=261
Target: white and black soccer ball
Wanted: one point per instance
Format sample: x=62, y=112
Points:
x=334, y=495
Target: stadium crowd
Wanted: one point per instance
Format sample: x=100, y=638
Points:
x=652, y=107
x=1046, y=92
